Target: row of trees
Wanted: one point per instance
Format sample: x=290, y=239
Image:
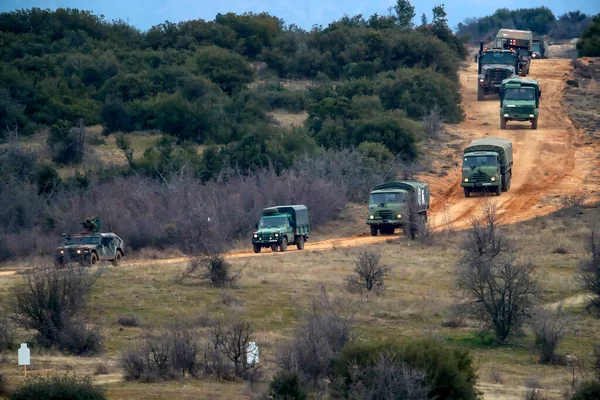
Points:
x=541, y=21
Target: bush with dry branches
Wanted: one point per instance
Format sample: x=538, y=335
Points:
x=369, y=273
x=213, y=269
x=495, y=287
x=588, y=271
x=550, y=327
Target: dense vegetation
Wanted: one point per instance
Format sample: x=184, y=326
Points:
x=589, y=45
x=209, y=83
x=541, y=21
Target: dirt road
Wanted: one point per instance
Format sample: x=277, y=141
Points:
x=549, y=163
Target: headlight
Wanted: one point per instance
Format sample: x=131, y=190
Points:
x=62, y=252
x=466, y=179
x=255, y=236
x=480, y=79
x=531, y=115
x=371, y=217
x=277, y=235
x=398, y=216
x=493, y=179
x=78, y=251
x=506, y=115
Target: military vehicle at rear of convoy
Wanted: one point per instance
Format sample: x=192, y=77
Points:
x=487, y=166
x=494, y=65
x=521, y=42
x=520, y=101
x=539, y=49
x=90, y=246
x=281, y=226
x=390, y=206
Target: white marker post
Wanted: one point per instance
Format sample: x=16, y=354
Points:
x=24, y=357
x=252, y=353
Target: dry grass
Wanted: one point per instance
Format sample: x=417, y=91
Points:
x=288, y=119
x=418, y=294
x=582, y=95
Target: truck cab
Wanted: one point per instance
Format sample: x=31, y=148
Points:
x=280, y=226
x=487, y=166
x=494, y=65
x=389, y=205
x=519, y=101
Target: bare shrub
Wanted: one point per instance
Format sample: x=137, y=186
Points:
x=369, y=273
x=573, y=200
x=3, y=386
x=496, y=376
x=213, y=269
x=455, y=318
x=101, y=369
x=596, y=360
x=388, y=378
x=550, y=328
x=416, y=220
x=496, y=288
x=232, y=340
x=533, y=385
x=433, y=123
x=129, y=321
x=52, y=302
x=588, y=271
x=7, y=334
x=326, y=325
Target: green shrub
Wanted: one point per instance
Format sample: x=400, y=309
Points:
x=116, y=117
x=47, y=179
x=287, y=386
x=376, y=151
x=228, y=70
x=589, y=44
x=588, y=391
x=59, y=388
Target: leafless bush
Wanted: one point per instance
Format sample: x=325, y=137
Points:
x=588, y=271
x=496, y=288
x=573, y=200
x=325, y=327
x=455, y=318
x=550, y=328
x=533, y=385
x=433, y=123
x=596, y=360
x=388, y=378
x=369, y=273
x=213, y=269
x=496, y=376
x=101, y=369
x=232, y=340
x=3, y=386
x=52, y=302
x=129, y=320
x=7, y=334
x=166, y=355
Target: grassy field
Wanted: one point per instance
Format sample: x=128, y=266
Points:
x=414, y=305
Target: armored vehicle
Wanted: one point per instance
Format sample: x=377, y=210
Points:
x=494, y=65
x=281, y=226
x=521, y=42
x=487, y=166
x=389, y=205
x=88, y=248
x=539, y=49
x=519, y=101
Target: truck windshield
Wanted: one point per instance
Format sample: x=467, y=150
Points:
x=273, y=222
x=519, y=94
x=498, y=58
x=480, y=161
x=535, y=48
x=83, y=240
x=379, y=198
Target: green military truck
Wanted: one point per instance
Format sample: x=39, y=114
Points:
x=281, y=226
x=487, y=166
x=521, y=42
x=519, y=101
x=494, y=65
x=539, y=49
x=390, y=206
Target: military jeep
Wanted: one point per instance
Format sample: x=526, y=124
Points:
x=88, y=248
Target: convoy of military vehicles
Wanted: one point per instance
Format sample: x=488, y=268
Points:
x=486, y=167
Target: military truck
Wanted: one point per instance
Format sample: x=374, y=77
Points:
x=391, y=205
x=539, y=49
x=494, y=65
x=88, y=248
x=281, y=226
x=520, y=101
x=521, y=42
x=487, y=166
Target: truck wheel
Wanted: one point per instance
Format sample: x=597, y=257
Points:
x=480, y=93
x=283, y=245
x=117, y=259
x=508, y=179
x=256, y=248
x=502, y=123
x=467, y=192
x=273, y=247
x=498, y=190
x=534, y=123
x=504, y=184
x=373, y=230
x=300, y=243
x=93, y=259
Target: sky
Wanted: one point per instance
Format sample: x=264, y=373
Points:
x=143, y=14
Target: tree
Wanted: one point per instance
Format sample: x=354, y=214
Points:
x=440, y=22
x=495, y=287
x=589, y=44
x=588, y=271
x=405, y=12
x=550, y=328
x=369, y=272
x=423, y=19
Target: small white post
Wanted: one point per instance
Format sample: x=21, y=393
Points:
x=24, y=357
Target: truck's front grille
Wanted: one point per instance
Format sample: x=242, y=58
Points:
x=385, y=214
x=496, y=76
x=522, y=110
x=479, y=177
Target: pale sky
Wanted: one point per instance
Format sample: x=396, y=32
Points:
x=305, y=13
